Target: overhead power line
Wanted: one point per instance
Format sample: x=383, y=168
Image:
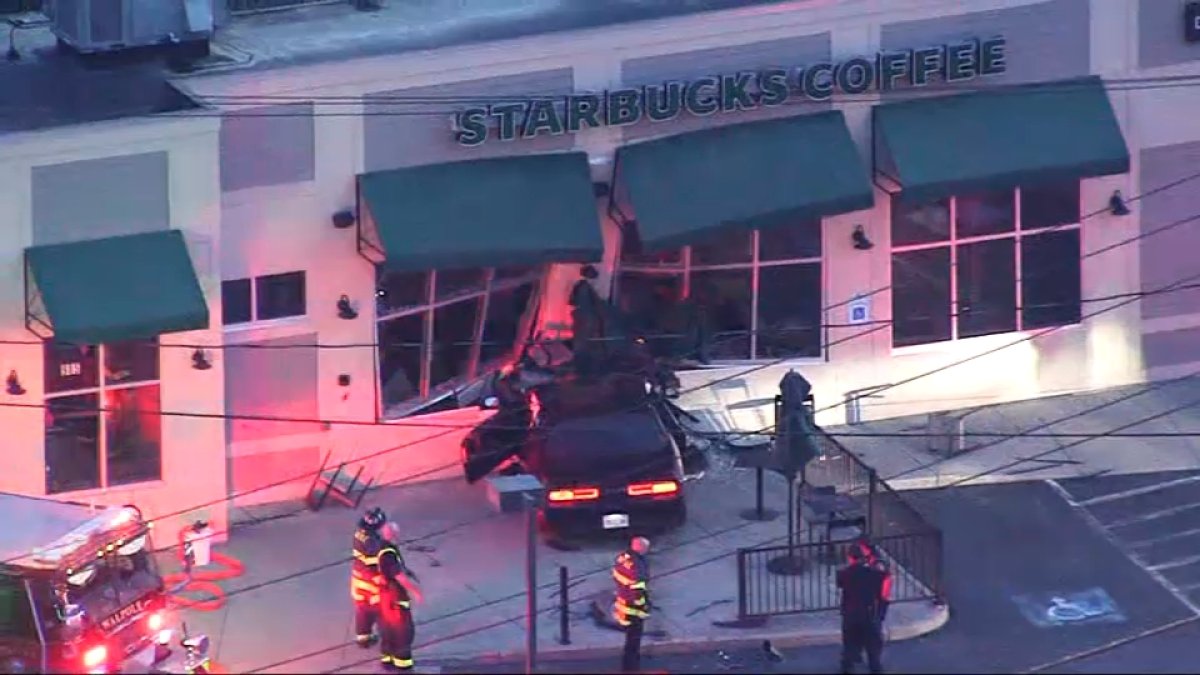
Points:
x=510, y=620
x=982, y=474
x=488, y=627
x=450, y=105
x=1191, y=403
x=1165, y=289
x=530, y=342
x=380, y=453
x=1126, y=298
x=1147, y=389
x=743, y=372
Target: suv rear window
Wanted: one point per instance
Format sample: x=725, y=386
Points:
x=620, y=447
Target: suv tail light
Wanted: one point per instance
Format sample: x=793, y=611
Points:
x=578, y=494
x=653, y=488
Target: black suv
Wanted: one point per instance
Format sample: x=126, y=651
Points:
x=606, y=449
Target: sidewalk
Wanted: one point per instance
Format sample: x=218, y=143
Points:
x=1039, y=458
x=471, y=563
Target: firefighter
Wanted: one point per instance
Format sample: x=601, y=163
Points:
x=873, y=559
x=399, y=591
x=866, y=587
x=632, y=605
x=364, y=576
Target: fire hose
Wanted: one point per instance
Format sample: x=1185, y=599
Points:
x=203, y=582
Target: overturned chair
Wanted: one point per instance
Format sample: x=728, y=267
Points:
x=337, y=484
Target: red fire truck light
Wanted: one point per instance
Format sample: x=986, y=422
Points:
x=96, y=656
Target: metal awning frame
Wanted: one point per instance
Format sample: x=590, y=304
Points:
x=880, y=178
x=37, y=319
x=367, y=240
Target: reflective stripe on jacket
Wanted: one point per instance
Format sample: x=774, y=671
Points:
x=390, y=563
x=631, y=574
x=365, y=580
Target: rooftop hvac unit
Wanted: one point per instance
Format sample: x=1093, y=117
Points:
x=95, y=26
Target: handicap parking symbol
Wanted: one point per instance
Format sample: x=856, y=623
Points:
x=1052, y=610
x=859, y=310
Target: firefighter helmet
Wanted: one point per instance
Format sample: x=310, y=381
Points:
x=372, y=519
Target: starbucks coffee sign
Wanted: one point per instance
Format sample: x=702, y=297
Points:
x=709, y=95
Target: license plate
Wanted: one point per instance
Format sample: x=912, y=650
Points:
x=614, y=521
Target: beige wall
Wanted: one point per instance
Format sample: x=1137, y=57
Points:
x=284, y=227
x=193, y=470
x=287, y=226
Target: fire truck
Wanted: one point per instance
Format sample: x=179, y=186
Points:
x=80, y=591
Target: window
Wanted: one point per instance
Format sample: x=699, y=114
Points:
x=274, y=296
x=502, y=324
x=237, y=304
x=441, y=328
x=988, y=263
x=280, y=295
x=735, y=295
x=103, y=423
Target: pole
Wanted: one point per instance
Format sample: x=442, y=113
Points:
x=759, y=511
x=564, y=618
x=873, y=489
x=791, y=516
x=531, y=585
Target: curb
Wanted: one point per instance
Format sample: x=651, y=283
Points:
x=779, y=638
x=950, y=479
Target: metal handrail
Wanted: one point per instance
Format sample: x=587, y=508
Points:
x=854, y=396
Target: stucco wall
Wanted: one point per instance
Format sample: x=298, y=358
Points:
x=284, y=227
x=193, y=462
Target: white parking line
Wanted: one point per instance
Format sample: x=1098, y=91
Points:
x=1107, y=533
x=1143, y=543
x=1153, y=515
x=1178, y=562
x=1125, y=494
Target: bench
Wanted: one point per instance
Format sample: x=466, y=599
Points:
x=337, y=484
x=507, y=494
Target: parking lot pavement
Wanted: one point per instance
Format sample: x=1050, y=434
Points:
x=1009, y=550
x=291, y=611
x=1154, y=519
x=1171, y=651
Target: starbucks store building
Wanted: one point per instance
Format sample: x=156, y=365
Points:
x=864, y=199
x=746, y=222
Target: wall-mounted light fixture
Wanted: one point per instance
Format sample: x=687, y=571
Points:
x=345, y=309
x=13, y=384
x=343, y=220
x=343, y=380
x=860, y=240
x=200, y=360
x=1116, y=204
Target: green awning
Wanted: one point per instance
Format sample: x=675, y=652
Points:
x=486, y=213
x=753, y=175
x=120, y=288
x=936, y=147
